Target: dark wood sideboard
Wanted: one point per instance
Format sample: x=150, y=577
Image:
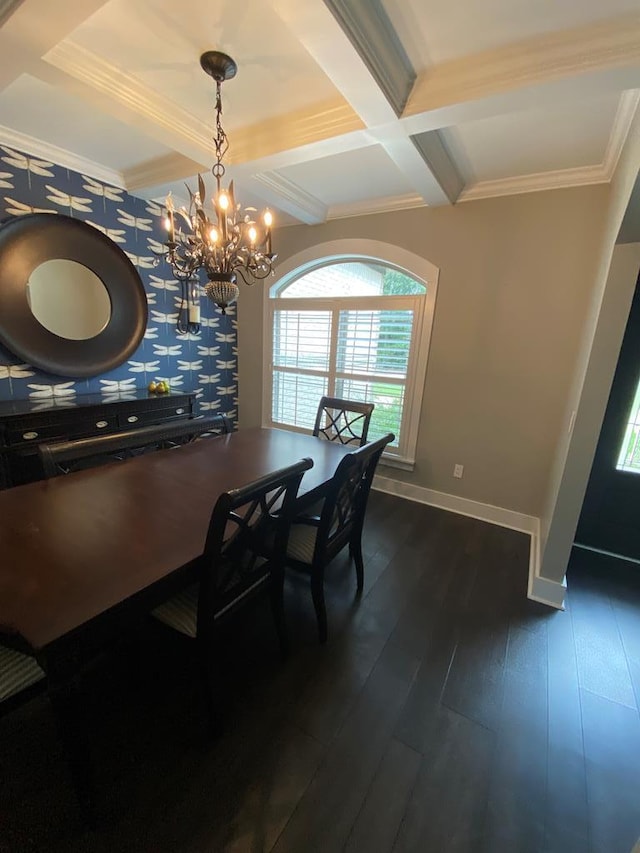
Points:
x=26, y=423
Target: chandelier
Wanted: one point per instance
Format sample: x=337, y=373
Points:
x=231, y=243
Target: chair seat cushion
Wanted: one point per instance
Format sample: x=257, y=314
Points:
x=17, y=672
x=181, y=611
x=302, y=542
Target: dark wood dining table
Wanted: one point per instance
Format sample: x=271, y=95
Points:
x=74, y=547
x=84, y=555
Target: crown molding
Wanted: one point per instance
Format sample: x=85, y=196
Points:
x=552, y=56
x=377, y=205
x=95, y=72
x=537, y=182
x=328, y=121
x=60, y=157
x=161, y=170
x=292, y=199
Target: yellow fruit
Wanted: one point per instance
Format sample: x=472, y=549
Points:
x=153, y=387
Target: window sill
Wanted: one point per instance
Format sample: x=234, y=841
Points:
x=397, y=462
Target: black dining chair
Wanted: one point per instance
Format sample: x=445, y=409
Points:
x=346, y=421
x=236, y=566
x=64, y=457
x=337, y=521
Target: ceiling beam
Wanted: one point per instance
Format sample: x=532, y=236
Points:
x=434, y=153
x=452, y=93
x=315, y=27
x=354, y=43
x=368, y=28
x=600, y=57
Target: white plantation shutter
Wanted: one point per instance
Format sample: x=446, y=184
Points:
x=375, y=342
x=364, y=346
x=302, y=339
x=301, y=356
x=372, y=361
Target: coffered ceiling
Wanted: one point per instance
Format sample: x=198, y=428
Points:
x=340, y=107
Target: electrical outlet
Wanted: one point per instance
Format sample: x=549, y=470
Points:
x=458, y=471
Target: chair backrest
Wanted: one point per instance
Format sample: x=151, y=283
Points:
x=346, y=421
x=64, y=457
x=246, y=524
x=346, y=497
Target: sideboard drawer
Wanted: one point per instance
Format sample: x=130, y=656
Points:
x=33, y=433
x=130, y=420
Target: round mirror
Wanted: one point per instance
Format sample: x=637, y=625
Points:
x=71, y=301
x=68, y=299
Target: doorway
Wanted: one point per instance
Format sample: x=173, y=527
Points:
x=610, y=518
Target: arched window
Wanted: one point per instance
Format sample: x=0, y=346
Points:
x=354, y=326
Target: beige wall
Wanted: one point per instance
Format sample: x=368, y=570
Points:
x=515, y=280
x=616, y=274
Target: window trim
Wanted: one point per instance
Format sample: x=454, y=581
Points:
x=340, y=251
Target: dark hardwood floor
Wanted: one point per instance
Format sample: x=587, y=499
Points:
x=446, y=713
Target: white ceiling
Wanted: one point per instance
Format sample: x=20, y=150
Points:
x=340, y=107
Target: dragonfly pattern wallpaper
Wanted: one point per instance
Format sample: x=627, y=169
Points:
x=203, y=363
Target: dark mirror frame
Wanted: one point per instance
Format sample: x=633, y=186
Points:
x=30, y=240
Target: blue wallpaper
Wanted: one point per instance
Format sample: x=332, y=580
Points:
x=205, y=363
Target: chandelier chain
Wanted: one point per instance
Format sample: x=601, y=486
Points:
x=220, y=140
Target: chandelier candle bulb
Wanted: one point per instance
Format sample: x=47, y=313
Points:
x=223, y=203
x=169, y=225
x=267, y=218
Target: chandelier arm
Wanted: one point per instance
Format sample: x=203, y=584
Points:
x=241, y=270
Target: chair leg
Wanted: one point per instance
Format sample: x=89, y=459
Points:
x=317, y=593
x=355, y=550
x=276, y=594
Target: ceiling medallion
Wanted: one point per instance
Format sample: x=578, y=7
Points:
x=232, y=242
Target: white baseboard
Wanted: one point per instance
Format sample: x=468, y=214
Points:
x=463, y=506
x=539, y=589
